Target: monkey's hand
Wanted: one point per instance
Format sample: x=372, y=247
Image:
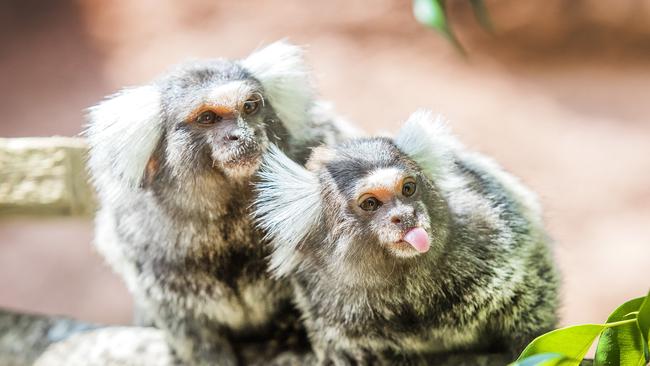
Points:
x=193, y=341
x=289, y=358
x=350, y=357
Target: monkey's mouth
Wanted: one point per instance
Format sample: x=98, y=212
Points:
x=403, y=246
x=242, y=160
x=414, y=241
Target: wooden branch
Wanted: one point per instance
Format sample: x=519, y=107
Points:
x=110, y=346
x=136, y=346
x=44, y=176
x=44, y=340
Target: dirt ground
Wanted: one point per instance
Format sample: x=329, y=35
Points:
x=559, y=95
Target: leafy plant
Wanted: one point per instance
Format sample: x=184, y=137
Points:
x=433, y=13
x=624, y=339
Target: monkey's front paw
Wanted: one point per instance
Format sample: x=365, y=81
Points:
x=216, y=354
x=341, y=357
x=291, y=359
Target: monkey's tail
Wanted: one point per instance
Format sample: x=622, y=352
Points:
x=23, y=337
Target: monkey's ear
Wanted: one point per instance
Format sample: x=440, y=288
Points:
x=282, y=70
x=287, y=207
x=123, y=132
x=320, y=155
x=429, y=142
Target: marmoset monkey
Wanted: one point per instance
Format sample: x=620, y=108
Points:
x=172, y=162
x=401, y=250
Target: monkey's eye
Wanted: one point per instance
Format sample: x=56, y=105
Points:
x=251, y=106
x=208, y=118
x=408, y=189
x=370, y=204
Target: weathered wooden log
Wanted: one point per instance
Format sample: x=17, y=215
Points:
x=135, y=346
x=127, y=346
x=44, y=177
x=24, y=337
x=45, y=340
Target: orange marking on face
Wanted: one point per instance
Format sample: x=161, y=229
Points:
x=381, y=193
x=383, y=183
x=222, y=111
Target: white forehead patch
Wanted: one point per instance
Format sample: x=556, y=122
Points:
x=382, y=178
x=231, y=94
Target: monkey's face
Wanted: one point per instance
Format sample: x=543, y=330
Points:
x=372, y=204
x=218, y=121
x=381, y=195
x=388, y=201
x=202, y=126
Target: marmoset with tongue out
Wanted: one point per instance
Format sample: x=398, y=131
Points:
x=411, y=250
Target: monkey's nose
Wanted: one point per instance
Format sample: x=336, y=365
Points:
x=237, y=135
x=233, y=135
x=404, y=220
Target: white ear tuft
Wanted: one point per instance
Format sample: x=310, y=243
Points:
x=287, y=207
x=428, y=141
x=281, y=69
x=123, y=132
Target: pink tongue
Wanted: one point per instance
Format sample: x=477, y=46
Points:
x=418, y=238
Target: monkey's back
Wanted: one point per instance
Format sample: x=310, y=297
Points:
x=500, y=257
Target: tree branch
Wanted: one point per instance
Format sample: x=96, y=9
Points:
x=44, y=176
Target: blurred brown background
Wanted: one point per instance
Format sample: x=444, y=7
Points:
x=560, y=96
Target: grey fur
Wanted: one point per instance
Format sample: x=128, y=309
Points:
x=176, y=226
x=487, y=286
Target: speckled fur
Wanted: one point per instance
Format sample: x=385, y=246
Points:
x=178, y=231
x=488, y=283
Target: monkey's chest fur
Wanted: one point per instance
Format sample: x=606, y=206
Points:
x=209, y=264
x=409, y=317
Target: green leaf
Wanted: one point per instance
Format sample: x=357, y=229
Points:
x=622, y=345
x=643, y=321
x=626, y=309
x=542, y=359
x=573, y=342
x=432, y=14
